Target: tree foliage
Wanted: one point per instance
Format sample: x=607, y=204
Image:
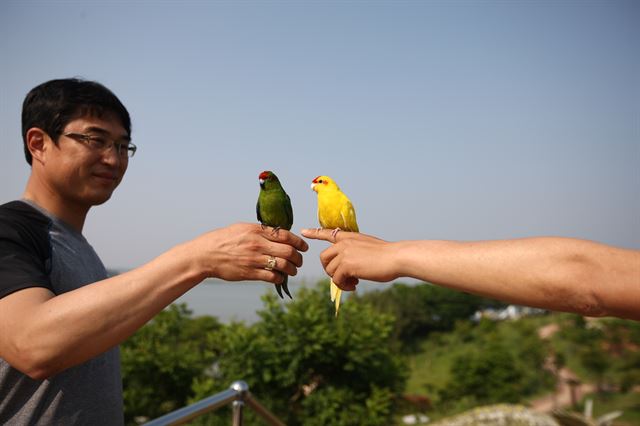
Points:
x=607, y=349
x=312, y=368
x=503, y=364
x=161, y=360
x=421, y=309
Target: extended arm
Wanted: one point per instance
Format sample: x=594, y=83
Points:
x=42, y=334
x=561, y=274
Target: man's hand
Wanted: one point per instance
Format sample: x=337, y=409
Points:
x=241, y=251
x=355, y=256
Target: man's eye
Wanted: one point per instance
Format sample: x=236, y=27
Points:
x=98, y=142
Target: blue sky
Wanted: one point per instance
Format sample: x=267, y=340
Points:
x=440, y=120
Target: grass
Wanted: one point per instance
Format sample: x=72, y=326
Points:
x=429, y=369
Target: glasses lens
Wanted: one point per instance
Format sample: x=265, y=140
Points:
x=125, y=149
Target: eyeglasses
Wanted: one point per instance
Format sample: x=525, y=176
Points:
x=104, y=144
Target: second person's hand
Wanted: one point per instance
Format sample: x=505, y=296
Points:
x=354, y=256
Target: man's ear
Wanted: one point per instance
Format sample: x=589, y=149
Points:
x=36, y=138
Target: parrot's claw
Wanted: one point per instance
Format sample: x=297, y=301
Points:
x=279, y=290
x=286, y=290
x=275, y=230
x=335, y=232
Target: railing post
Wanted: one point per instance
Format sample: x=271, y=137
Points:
x=237, y=406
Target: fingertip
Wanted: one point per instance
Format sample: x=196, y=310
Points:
x=307, y=232
x=302, y=245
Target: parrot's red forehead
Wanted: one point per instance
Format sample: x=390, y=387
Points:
x=264, y=175
x=319, y=179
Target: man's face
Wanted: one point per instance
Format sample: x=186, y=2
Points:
x=80, y=173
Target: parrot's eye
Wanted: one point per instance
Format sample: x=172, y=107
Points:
x=320, y=181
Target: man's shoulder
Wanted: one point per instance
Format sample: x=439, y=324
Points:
x=25, y=248
x=20, y=221
x=15, y=212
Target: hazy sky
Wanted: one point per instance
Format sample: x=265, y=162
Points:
x=456, y=120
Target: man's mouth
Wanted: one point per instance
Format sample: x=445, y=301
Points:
x=106, y=176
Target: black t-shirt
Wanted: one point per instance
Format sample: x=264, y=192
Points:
x=25, y=249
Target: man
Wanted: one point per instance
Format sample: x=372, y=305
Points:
x=61, y=318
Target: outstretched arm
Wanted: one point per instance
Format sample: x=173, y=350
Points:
x=42, y=334
x=562, y=274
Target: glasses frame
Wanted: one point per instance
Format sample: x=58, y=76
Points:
x=104, y=144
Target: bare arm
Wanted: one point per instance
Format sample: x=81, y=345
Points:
x=561, y=274
x=42, y=334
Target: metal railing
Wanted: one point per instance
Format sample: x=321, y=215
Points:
x=238, y=395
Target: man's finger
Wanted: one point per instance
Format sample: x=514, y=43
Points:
x=286, y=237
x=284, y=251
x=274, y=277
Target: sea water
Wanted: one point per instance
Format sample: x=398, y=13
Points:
x=240, y=301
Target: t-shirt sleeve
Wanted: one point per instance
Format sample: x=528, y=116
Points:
x=25, y=253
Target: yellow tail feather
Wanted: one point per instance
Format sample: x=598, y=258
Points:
x=336, y=293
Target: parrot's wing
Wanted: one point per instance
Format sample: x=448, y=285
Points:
x=288, y=211
x=348, y=215
x=258, y=211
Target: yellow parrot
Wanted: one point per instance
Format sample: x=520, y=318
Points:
x=335, y=211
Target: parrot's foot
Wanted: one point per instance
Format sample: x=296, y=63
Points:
x=279, y=290
x=275, y=230
x=335, y=232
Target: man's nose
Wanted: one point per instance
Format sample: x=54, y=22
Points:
x=111, y=155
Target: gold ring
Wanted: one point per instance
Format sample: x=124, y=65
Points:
x=271, y=263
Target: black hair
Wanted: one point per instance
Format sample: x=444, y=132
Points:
x=50, y=106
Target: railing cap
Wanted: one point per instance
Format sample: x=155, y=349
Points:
x=240, y=386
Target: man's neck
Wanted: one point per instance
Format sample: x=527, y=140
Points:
x=71, y=213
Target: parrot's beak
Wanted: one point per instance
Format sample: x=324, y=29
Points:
x=313, y=187
x=261, y=183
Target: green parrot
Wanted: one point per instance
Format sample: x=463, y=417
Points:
x=274, y=209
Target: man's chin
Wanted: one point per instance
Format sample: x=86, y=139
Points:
x=99, y=199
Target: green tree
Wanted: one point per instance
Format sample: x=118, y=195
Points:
x=588, y=341
x=622, y=340
x=424, y=308
x=488, y=375
x=503, y=364
x=312, y=368
x=161, y=360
